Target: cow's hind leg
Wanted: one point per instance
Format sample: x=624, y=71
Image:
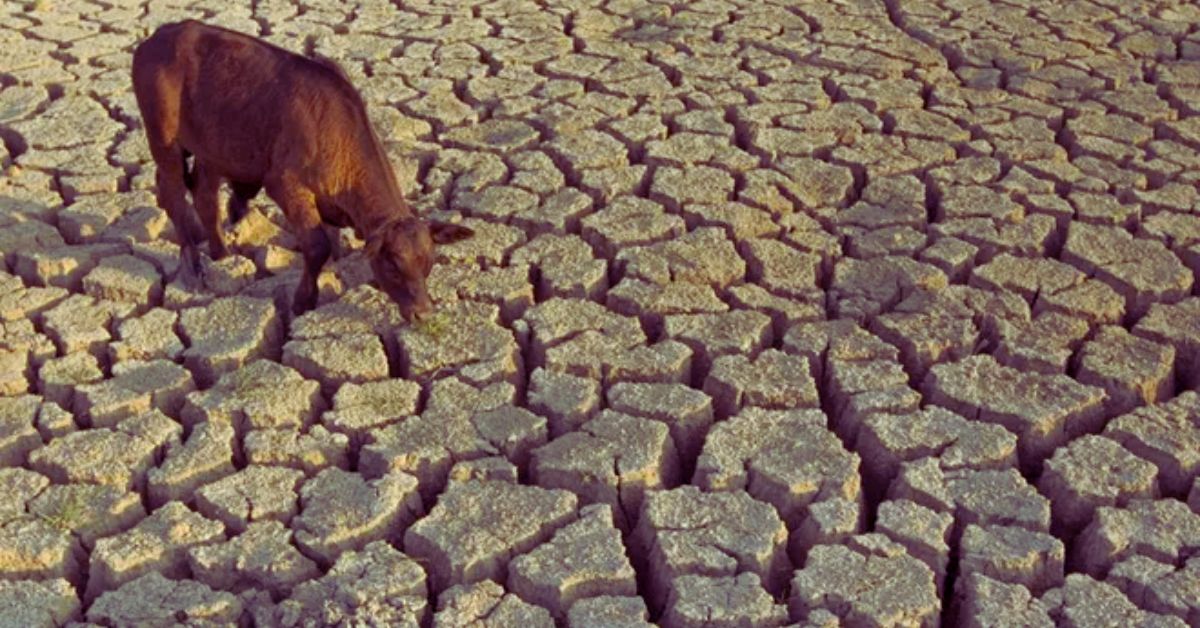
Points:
x=208, y=208
x=300, y=207
x=172, y=197
x=158, y=97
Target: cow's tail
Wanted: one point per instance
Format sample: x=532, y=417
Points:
x=189, y=177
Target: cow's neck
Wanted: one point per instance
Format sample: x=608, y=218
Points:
x=376, y=199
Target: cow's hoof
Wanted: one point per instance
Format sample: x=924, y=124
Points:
x=191, y=274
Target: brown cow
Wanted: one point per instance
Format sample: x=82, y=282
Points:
x=258, y=116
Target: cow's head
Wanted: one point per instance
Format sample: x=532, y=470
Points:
x=401, y=254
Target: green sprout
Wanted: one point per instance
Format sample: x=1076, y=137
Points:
x=435, y=325
x=70, y=513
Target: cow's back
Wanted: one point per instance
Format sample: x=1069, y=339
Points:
x=244, y=103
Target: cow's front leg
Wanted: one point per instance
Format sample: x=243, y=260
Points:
x=316, y=251
x=300, y=207
x=208, y=208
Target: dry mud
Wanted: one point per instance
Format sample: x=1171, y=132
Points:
x=779, y=313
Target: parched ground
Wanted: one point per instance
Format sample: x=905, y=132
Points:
x=814, y=313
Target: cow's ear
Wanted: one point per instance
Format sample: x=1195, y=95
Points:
x=447, y=233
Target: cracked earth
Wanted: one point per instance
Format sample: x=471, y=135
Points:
x=800, y=313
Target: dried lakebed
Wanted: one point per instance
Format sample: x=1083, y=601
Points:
x=864, y=313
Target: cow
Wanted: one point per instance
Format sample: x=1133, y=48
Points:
x=263, y=118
